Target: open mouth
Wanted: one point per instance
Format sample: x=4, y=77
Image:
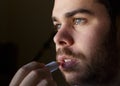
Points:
x=67, y=63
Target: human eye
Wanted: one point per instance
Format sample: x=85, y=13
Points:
x=57, y=26
x=78, y=21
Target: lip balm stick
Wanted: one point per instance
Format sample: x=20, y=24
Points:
x=52, y=66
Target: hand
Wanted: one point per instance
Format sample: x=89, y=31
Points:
x=33, y=74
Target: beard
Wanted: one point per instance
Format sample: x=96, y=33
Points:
x=100, y=69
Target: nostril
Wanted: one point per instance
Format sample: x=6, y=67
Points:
x=66, y=42
x=62, y=43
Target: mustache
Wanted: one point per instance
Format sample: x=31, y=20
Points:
x=65, y=51
x=68, y=52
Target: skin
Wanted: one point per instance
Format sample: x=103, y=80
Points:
x=83, y=28
x=33, y=74
x=82, y=37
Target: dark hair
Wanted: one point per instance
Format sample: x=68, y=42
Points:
x=114, y=11
x=112, y=6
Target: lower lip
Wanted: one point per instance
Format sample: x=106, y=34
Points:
x=68, y=65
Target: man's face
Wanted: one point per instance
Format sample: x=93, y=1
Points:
x=82, y=29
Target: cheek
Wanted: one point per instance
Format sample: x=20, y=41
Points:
x=90, y=38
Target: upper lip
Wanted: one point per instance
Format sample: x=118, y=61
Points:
x=62, y=58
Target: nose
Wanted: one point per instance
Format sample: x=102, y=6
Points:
x=63, y=38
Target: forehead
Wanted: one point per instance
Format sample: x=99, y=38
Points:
x=59, y=3
x=63, y=6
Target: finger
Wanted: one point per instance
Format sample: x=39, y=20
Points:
x=22, y=72
x=47, y=82
x=35, y=76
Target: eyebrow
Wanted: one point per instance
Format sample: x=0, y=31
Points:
x=82, y=11
x=74, y=12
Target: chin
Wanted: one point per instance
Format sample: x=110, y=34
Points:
x=74, y=78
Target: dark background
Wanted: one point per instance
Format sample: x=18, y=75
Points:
x=27, y=24
x=25, y=27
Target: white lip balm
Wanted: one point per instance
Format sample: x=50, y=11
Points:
x=52, y=66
